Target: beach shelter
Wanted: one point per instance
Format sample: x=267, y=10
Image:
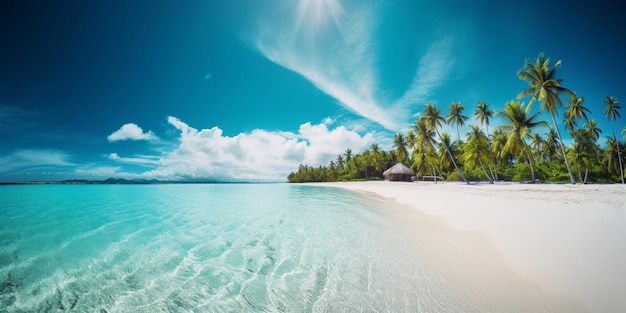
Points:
x=399, y=172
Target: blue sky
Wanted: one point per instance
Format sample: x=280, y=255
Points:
x=245, y=90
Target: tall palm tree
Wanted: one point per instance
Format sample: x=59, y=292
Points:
x=546, y=88
x=399, y=145
x=476, y=150
x=456, y=117
x=483, y=114
x=433, y=118
x=611, y=110
x=424, y=154
x=520, y=124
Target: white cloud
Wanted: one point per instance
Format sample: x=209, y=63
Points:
x=139, y=160
x=33, y=158
x=131, y=131
x=260, y=155
x=433, y=70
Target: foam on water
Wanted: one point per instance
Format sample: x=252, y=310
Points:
x=198, y=248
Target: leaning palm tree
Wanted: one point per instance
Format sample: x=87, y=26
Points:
x=433, y=119
x=476, y=150
x=399, y=145
x=546, y=88
x=520, y=125
x=456, y=117
x=611, y=110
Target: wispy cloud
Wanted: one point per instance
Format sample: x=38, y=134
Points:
x=131, y=131
x=432, y=72
x=341, y=60
x=34, y=158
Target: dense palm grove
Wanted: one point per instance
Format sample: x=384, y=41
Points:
x=515, y=151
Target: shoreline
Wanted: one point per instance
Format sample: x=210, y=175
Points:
x=566, y=239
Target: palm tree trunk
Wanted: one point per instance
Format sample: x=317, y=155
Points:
x=434, y=175
x=485, y=171
x=452, y=158
x=586, y=175
x=619, y=157
x=558, y=131
x=580, y=175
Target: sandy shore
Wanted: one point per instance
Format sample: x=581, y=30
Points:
x=567, y=240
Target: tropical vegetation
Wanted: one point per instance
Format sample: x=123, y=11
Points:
x=522, y=148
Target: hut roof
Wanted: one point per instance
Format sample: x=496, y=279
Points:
x=399, y=168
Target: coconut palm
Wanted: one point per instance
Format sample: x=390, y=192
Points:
x=611, y=110
x=545, y=88
x=497, y=144
x=550, y=145
x=456, y=117
x=476, y=150
x=483, y=114
x=575, y=110
x=424, y=154
x=399, y=145
x=520, y=124
x=592, y=127
x=612, y=164
x=433, y=119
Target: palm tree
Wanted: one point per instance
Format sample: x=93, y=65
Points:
x=575, y=110
x=456, y=117
x=497, y=144
x=476, y=150
x=424, y=154
x=520, y=125
x=433, y=119
x=483, y=114
x=592, y=127
x=399, y=145
x=611, y=110
x=340, y=161
x=550, y=145
x=610, y=153
x=544, y=86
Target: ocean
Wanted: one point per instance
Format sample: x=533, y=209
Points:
x=209, y=248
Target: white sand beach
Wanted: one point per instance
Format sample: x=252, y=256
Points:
x=566, y=241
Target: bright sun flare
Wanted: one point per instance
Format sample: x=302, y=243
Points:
x=316, y=13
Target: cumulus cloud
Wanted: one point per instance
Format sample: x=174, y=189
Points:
x=260, y=155
x=131, y=131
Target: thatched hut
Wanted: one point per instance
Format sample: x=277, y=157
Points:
x=399, y=172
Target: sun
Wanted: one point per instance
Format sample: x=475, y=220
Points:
x=317, y=13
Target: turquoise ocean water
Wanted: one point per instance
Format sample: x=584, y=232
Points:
x=208, y=248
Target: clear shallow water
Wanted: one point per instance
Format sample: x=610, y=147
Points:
x=207, y=248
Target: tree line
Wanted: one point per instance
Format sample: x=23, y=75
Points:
x=514, y=151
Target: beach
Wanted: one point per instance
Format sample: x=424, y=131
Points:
x=564, y=241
